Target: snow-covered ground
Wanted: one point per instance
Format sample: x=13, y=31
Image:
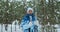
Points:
x=11, y=28
x=16, y=28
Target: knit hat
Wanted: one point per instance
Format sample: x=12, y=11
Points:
x=29, y=10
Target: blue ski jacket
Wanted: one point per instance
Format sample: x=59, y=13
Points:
x=26, y=20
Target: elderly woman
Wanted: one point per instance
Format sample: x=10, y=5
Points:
x=28, y=20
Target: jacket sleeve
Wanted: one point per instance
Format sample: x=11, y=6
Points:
x=23, y=21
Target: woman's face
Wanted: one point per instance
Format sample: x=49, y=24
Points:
x=30, y=12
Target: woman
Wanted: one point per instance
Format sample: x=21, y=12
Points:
x=28, y=20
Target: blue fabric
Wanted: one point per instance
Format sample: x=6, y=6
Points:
x=26, y=19
x=26, y=30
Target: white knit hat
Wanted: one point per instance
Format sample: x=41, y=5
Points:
x=29, y=10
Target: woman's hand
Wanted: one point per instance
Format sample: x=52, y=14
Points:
x=30, y=23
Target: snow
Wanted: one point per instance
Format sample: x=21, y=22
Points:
x=11, y=27
x=15, y=28
x=28, y=0
x=58, y=28
x=46, y=0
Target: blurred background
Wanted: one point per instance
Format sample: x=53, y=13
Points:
x=47, y=12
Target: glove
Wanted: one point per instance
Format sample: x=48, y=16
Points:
x=36, y=22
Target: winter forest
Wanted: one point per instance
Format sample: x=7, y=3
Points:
x=47, y=12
